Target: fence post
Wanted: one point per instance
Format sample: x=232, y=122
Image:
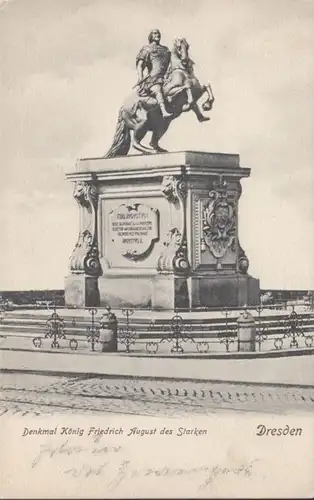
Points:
x=109, y=333
x=246, y=332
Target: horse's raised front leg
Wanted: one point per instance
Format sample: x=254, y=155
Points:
x=199, y=114
x=208, y=104
x=192, y=105
x=188, y=105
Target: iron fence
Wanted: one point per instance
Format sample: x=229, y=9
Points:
x=296, y=328
x=76, y=331
x=127, y=335
x=166, y=333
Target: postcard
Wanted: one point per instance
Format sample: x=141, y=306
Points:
x=156, y=271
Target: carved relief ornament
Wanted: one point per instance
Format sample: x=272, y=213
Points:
x=174, y=256
x=85, y=256
x=219, y=221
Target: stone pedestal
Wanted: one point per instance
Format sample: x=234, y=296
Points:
x=159, y=231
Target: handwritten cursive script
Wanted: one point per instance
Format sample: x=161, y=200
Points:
x=125, y=472
x=115, y=465
x=46, y=450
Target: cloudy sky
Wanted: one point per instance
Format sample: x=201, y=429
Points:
x=66, y=65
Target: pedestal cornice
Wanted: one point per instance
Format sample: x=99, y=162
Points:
x=189, y=163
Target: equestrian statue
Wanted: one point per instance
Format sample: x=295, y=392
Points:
x=166, y=88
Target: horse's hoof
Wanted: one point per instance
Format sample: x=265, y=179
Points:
x=186, y=107
x=207, y=106
x=141, y=148
x=203, y=119
x=160, y=150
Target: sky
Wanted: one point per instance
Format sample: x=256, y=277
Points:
x=66, y=67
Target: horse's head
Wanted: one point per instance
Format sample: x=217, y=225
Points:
x=181, y=48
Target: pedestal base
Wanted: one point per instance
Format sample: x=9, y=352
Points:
x=81, y=291
x=225, y=291
x=152, y=292
x=161, y=291
x=170, y=292
x=125, y=291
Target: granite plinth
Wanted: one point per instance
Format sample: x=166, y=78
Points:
x=225, y=291
x=81, y=291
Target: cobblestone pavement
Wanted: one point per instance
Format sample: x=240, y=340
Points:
x=39, y=394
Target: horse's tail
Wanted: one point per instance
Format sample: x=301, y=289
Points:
x=122, y=139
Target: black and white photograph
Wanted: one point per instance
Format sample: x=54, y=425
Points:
x=157, y=257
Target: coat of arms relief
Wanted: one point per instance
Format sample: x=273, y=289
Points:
x=219, y=221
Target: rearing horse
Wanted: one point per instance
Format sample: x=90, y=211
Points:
x=181, y=90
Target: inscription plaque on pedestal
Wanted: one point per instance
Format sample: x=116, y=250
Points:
x=134, y=229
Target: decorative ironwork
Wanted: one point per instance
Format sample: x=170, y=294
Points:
x=202, y=347
x=2, y=314
x=73, y=343
x=261, y=329
x=180, y=334
x=37, y=342
x=293, y=329
x=227, y=341
x=56, y=331
x=230, y=327
x=177, y=333
x=152, y=347
x=55, y=326
x=306, y=324
x=126, y=334
x=93, y=331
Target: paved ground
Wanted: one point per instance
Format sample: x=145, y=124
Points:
x=37, y=394
x=37, y=382
x=297, y=370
